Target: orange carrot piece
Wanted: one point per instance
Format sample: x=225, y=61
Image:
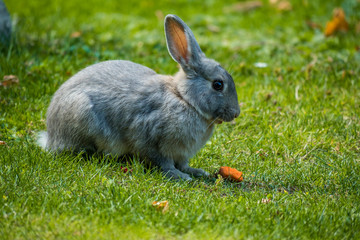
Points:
x=231, y=173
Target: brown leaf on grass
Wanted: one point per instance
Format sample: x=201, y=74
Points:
x=284, y=6
x=281, y=5
x=265, y=200
x=337, y=24
x=2, y=143
x=161, y=205
x=9, y=80
x=243, y=6
x=75, y=34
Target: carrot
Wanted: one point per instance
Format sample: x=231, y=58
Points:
x=231, y=173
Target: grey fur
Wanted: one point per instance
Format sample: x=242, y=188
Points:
x=5, y=25
x=120, y=107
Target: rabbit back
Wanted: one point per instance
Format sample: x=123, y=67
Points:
x=82, y=110
x=122, y=107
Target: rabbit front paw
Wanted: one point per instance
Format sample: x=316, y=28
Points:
x=196, y=172
x=176, y=174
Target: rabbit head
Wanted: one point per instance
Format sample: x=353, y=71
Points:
x=201, y=81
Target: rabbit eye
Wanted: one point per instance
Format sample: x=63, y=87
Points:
x=218, y=85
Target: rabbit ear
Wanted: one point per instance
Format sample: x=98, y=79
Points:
x=181, y=42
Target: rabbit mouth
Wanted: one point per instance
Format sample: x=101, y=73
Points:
x=225, y=116
x=219, y=121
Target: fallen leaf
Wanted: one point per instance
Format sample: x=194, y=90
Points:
x=231, y=174
x=9, y=80
x=161, y=205
x=282, y=5
x=265, y=200
x=2, y=143
x=244, y=6
x=338, y=23
x=75, y=34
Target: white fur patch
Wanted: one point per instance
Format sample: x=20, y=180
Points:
x=42, y=139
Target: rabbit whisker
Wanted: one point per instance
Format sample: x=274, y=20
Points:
x=212, y=122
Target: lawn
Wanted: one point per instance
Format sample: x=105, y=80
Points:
x=297, y=139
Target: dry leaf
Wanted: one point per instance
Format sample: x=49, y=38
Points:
x=231, y=173
x=75, y=35
x=331, y=27
x=9, y=80
x=282, y=5
x=244, y=6
x=265, y=200
x=161, y=205
x=338, y=23
x=2, y=143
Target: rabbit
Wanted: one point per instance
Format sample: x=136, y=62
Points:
x=119, y=107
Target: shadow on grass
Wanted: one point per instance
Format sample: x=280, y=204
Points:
x=213, y=183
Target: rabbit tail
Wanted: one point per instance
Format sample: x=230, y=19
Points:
x=42, y=139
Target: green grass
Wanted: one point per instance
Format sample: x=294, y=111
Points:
x=297, y=139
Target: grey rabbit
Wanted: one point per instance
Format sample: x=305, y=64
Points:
x=120, y=107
